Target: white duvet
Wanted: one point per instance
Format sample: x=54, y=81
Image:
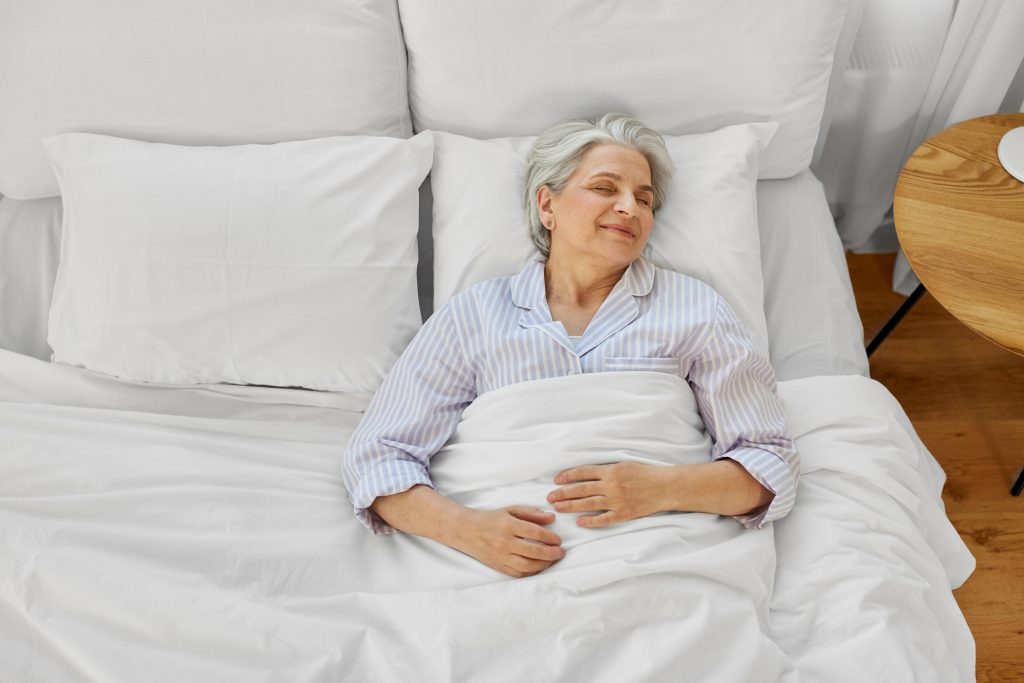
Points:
x=165, y=534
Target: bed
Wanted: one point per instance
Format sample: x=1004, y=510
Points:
x=171, y=498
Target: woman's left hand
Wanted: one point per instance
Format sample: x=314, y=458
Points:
x=626, y=490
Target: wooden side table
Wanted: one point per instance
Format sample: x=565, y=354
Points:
x=960, y=220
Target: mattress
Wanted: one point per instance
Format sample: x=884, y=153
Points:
x=157, y=533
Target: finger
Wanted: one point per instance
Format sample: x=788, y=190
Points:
x=594, y=521
x=529, y=531
x=589, y=488
x=526, y=564
x=538, y=551
x=529, y=514
x=582, y=473
x=509, y=571
x=587, y=504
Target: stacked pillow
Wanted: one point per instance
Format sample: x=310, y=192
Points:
x=194, y=72
x=681, y=67
x=293, y=263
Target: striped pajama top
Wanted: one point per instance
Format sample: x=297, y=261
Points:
x=500, y=332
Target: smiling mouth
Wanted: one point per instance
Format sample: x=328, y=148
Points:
x=621, y=231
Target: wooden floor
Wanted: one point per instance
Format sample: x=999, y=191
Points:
x=965, y=397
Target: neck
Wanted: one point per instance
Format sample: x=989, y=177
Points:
x=578, y=281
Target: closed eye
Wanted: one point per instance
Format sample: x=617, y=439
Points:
x=643, y=200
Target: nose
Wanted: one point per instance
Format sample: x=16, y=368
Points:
x=626, y=205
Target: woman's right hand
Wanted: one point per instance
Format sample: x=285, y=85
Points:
x=511, y=539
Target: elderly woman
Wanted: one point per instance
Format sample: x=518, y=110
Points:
x=592, y=190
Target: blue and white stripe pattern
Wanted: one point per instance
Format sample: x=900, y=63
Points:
x=500, y=332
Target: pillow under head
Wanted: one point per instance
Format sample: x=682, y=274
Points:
x=707, y=228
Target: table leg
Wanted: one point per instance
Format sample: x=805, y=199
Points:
x=895, y=319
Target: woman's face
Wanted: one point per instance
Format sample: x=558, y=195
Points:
x=605, y=212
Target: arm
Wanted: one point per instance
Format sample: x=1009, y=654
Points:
x=754, y=468
x=410, y=417
x=722, y=487
x=628, y=490
x=510, y=540
x=422, y=511
x=735, y=390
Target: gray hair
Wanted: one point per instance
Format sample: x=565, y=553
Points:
x=557, y=152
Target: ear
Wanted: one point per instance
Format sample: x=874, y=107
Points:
x=544, y=207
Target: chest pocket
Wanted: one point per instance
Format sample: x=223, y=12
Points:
x=623, y=364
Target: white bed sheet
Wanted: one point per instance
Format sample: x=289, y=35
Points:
x=813, y=324
x=203, y=533
x=29, y=255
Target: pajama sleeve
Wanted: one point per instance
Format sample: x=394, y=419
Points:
x=735, y=390
x=410, y=417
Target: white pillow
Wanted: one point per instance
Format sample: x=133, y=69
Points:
x=194, y=72
x=707, y=228
x=292, y=264
x=502, y=69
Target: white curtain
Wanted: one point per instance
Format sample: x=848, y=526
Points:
x=982, y=54
x=916, y=68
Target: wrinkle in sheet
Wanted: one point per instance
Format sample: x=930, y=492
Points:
x=247, y=579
